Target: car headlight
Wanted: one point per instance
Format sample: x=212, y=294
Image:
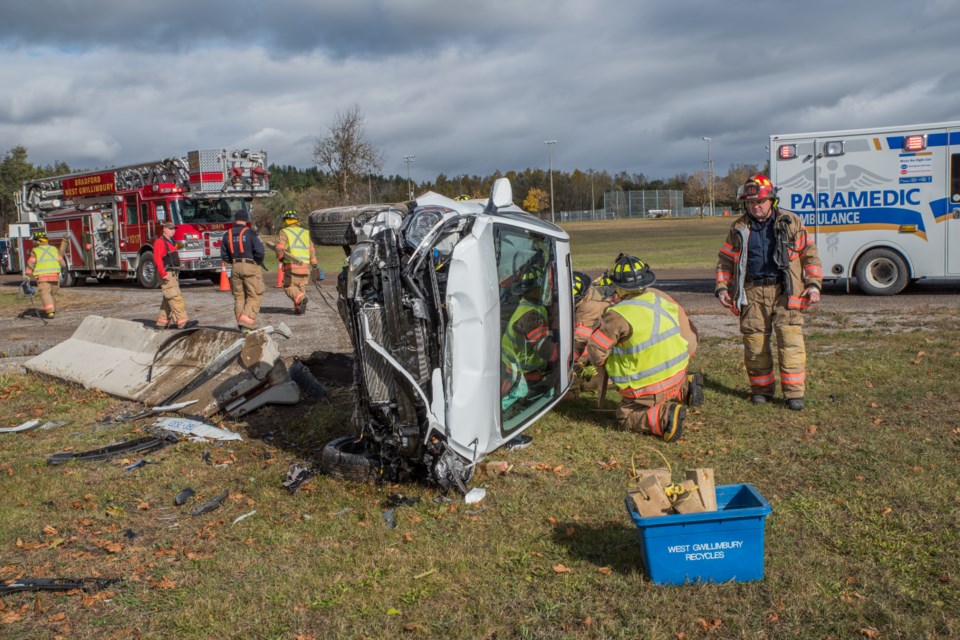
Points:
x=419, y=225
x=360, y=257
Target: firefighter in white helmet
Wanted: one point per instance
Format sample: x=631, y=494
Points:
x=769, y=274
x=645, y=342
x=45, y=264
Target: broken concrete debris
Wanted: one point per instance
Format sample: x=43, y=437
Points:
x=212, y=369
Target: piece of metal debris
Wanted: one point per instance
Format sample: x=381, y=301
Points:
x=475, y=495
x=183, y=496
x=443, y=500
x=210, y=505
x=305, y=379
x=297, y=474
x=243, y=517
x=56, y=584
x=196, y=429
x=136, y=465
x=26, y=426
x=399, y=500
x=336, y=514
x=475, y=511
x=145, y=444
x=391, y=521
x=161, y=409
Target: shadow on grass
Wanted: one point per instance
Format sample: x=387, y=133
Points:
x=608, y=545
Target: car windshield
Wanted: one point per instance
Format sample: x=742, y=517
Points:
x=529, y=325
x=211, y=211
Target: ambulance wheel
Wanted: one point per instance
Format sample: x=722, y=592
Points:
x=882, y=272
x=147, y=271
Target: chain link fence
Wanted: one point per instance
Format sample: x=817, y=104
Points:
x=617, y=205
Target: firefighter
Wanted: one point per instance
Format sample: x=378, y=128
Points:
x=298, y=257
x=173, y=310
x=769, y=274
x=589, y=304
x=645, y=342
x=242, y=248
x=526, y=343
x=45, y=264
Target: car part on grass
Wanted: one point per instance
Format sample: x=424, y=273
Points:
x=210, y=505
x=139, y=464
x=391, y=522
x=243, y=517
x=399, y=500
x=155, y=410
x=196, y=430
x=26, y=426
x=297, y=474
x=56, y=584
x=305, y=379
x=213, y=368
x=145, y=444
x=183, y=496
x=475, y=495
x=429, y=297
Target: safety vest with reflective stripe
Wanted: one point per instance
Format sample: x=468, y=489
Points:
x=48, y=260
x=297, y=244
x=518, y=347
x=655, y=350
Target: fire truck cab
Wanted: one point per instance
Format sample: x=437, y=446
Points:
x=107, y=221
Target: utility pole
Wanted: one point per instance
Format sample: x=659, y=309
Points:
x=709, y=173
x=408, y=159
x=593, y=202
x=550, y=144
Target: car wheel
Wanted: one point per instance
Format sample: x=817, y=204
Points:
x=349, y=458
x=881, y=272
x=147, y=271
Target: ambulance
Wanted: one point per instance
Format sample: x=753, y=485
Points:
x=884, y=204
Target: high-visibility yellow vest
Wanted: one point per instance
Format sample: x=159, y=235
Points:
x=48, y=260
x=655, y=350
x=298, y=244
x=516, y=347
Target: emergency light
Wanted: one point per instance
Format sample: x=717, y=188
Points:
x=787, y=151
x=914, y=143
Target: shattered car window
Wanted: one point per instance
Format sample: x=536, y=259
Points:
x=529, y=325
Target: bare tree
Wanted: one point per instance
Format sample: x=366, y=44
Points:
x=345, y=151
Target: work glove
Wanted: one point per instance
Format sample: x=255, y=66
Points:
x=588, y=372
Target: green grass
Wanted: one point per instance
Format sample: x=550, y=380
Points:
x=863, y=533
x=663, y=243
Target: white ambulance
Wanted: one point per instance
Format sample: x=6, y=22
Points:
x=884, y=203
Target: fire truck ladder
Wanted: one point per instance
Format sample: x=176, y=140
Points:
x=46, y=194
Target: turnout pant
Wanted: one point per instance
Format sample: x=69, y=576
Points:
x=638, y=414
x=246, y=284
x=295, y=285
x=173, y=310
x=47, y=290
x=766, y=314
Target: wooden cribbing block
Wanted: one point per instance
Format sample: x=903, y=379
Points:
x=650, y=500
x=707, y=486
x=690, y=502
x=662, y=474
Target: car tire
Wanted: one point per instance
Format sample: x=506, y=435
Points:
x=882, y=272
x=334, y=227
x=349, y=458
x=147, y=271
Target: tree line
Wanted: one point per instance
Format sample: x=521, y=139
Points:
x=348, y=170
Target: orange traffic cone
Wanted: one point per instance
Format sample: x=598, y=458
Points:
x=280, y=276
x=224, y=280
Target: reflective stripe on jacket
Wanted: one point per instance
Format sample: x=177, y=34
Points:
x=294, y=242
x=520, y=348
x=655, y=350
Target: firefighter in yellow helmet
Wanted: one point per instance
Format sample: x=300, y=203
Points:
x=527, y=342
x=297, y=255
x=769, y=274
x=45, y=264
x=645, y=341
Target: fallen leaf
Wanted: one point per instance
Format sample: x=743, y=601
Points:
x=571, y=531
x=50, y=531
x=164, y=583
x=886, y=511
x=773, y=617
x=869, y=632
x=57, y=617
x=604, y=570
x=709, y=624
x=587, y=621
x=812, y=429
x=562, y=569
x=408, y=537
x=868, y=384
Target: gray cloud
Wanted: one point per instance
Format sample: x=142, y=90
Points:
x=623, y=85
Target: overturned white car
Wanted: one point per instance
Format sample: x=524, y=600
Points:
x=461, y=318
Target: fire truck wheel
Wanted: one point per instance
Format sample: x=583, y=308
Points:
x=882, y=272
x=147, y=271
x=67, y=279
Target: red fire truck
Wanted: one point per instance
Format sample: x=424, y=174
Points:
x=106, y=221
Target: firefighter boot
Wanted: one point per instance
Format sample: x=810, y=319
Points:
x=695, y=389
x=795, y=404
x=670, y=426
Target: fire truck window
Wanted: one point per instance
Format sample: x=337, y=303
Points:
x=955, y=178
x=131, y=203
x=144, y=213
x=161, y=213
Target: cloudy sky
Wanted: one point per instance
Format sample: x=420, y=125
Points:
x=469, y=87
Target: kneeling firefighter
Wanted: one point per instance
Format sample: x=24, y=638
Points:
x=645, y=342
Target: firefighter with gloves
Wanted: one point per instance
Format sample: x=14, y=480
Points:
x=242, y=248
x=173, y=310
x=298, y=257
x=645, y=341
x=527, y=341
x=589, y=305
x=769, y=274
x=45, y=264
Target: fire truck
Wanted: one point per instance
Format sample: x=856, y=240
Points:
x=106, y=221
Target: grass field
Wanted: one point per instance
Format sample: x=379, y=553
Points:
x=863, y=540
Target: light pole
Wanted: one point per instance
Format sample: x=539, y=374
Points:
x=709, y=173
x=550, y=144
x=593, y=201
x=408, y=159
